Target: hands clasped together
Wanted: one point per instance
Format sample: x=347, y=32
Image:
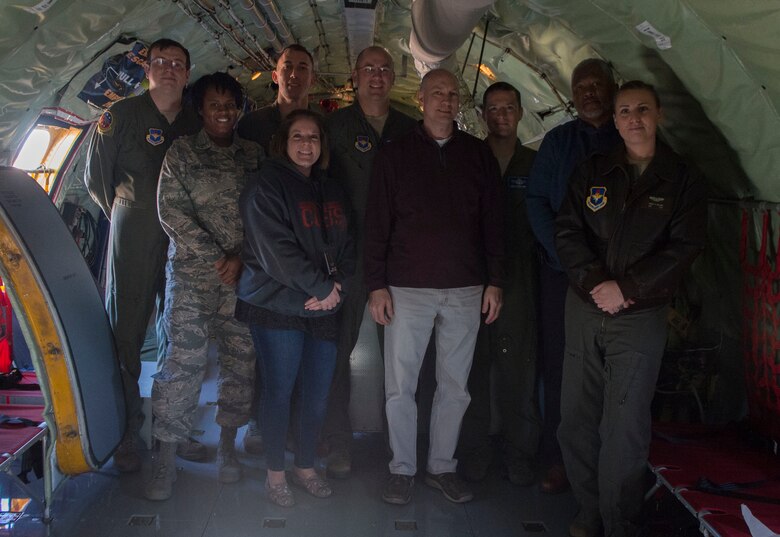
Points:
x=327, y=303
x=609, y=298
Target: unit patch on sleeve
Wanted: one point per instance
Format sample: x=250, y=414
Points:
x=155, y=136
x=363, y=143
x=105, y=124
x=597, y=199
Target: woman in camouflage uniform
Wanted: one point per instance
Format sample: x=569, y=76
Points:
x=200, y=183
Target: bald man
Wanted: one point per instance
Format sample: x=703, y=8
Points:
x=355, y=134
x=434, y=254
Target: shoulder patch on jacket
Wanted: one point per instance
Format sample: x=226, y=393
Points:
x=597, y=199
x=105, y=124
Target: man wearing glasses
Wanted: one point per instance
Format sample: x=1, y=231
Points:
x=123, y=165
x=356, y=133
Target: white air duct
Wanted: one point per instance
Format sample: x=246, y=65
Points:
x=439, y=28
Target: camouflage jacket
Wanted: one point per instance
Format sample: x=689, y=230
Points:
x=197, y=197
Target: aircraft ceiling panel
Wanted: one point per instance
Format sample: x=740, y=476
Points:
x=719, y=77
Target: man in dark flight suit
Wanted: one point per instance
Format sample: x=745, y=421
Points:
x=355, y=134
x=124, y=159
x=509, y=343
x=294, y=74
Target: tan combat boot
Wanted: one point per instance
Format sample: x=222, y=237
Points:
x=253, y=439
x=227, y=463
x=163, y=473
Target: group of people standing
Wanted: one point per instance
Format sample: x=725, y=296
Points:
x=279, y=227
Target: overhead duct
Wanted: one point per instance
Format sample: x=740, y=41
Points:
x=277, y=21
x=439, y=28
x=268, y=32
x=360, y=19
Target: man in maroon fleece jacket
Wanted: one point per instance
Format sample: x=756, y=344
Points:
x=433, y=259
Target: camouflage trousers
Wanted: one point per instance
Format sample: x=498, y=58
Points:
x=197, y=308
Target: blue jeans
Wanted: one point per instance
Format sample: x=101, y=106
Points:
x=285, y=356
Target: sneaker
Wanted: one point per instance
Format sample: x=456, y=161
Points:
x=192, y=450
x=126, y=457
x=253, y=439
x=339, y=462
x=398, y=489
x=453, y=488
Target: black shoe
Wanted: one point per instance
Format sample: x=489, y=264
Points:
x=554, y=480
x=519, y=470
x=339, y=463
x=453, y=488
x=585, y=524
x=398, y=489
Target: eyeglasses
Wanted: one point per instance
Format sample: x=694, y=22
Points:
x=162, y=63
x=370, y=70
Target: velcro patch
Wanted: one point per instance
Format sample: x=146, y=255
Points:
x=105, y=124
x=597, y=199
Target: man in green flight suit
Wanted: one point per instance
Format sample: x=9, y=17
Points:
x=510, y=343
x=294, y=74
x=124, y=159
x=356, y=133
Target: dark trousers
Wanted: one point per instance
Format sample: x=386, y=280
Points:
x=337, y=430
x=509, y=345
x=552, y=286
x=287, y=356
x=135, y=282
x=609, y=377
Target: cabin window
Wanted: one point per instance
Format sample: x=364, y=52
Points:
x=45, y=151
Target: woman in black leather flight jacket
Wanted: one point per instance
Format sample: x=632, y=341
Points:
x=630, y=227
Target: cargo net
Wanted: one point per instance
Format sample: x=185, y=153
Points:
x=761, y=294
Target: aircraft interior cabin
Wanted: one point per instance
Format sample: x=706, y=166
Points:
x=625, y=377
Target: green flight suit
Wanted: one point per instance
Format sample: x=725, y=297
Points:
x=123, y=166
x=353, y=145
x=261, y=125
x=510, y=342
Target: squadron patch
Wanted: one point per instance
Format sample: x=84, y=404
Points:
x=597, y=199
x=155, y=136
x=363, y=143
x=105, y=123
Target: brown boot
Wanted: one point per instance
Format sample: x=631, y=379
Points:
x=126, y=457
x=554, y=480
x=227, y=462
